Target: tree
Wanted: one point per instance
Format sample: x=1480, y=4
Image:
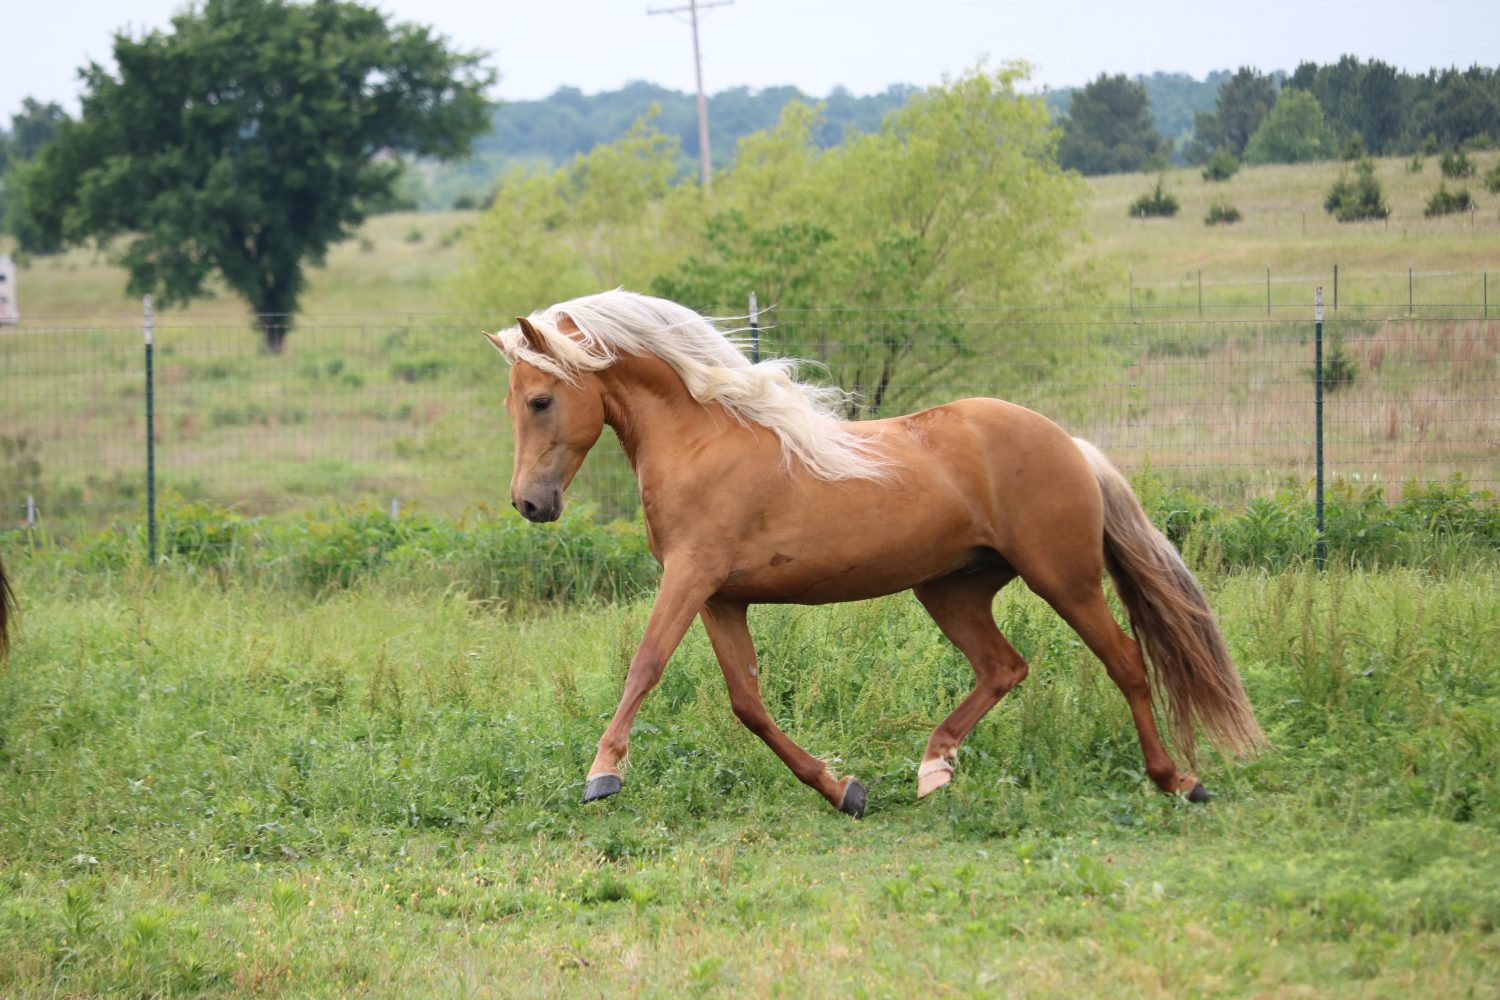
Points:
x=1244, y=101
x=33, y=127
x=246, y=141
x=957, y=201
x=1108, y=129
x=1294, y=132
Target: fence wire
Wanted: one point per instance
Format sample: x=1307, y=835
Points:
x=375, y=410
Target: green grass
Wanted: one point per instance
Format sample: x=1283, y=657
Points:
x=213, y=786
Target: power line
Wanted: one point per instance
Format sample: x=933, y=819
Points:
x=692, y=8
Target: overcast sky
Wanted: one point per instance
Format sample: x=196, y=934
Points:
x=817, y=45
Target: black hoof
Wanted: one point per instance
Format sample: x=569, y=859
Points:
x=853, y=801
x=1199, y=794
x=601, y=787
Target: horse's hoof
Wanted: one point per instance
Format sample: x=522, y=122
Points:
x=931, y=776
x=853, y=802
x=1199, y=794
x=601, y=787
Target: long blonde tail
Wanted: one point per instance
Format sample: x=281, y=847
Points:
x=1171, y=618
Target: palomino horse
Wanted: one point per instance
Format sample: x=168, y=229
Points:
x=753, y=491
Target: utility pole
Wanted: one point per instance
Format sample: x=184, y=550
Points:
x=692, y=8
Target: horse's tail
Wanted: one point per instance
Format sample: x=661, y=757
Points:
x=1171, y=618
x=7, y=611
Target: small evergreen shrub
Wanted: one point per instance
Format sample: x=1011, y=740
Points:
x=1354, y=149
x=1456, y=165
x=1339, y=367
x=1360, y=198
x=1221, y=166
x=1492, y=180
x=1445, y=202
x=1221, y=213
x=1416, y=164
x=1156, y=202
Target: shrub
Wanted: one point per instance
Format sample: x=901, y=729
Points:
x=1492, y=180
x=1339, y=367
x=1360, y=198
x=1456, y=165
x=1156, y=202
x=465, y=203
x=1354, y=148
x=1416, y=164
x=414, y=235
x=1221, y=213
x=1445, y=202
x=1221, y=166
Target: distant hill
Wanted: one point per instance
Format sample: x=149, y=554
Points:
x=571, y=122
x=552, y=130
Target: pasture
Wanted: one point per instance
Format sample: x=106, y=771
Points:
x=245, y=773
x=242, y=790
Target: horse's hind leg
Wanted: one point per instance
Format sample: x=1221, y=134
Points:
x=962, y=606
x=730, y=634
x=1082, y=606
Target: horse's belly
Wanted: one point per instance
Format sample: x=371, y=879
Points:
x=853, y=574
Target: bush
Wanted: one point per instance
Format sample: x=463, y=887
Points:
x=1445, y=202
x=1156, y=202
x=1357, y=199
x=1492, y=180
x=1416, y=164
x=1221, y=166
x=1354, y=149
x=1221, y=213
x=1456, y=165
x=1339, y=367
x=465, y=203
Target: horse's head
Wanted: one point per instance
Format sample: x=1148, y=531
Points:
x=555, y=422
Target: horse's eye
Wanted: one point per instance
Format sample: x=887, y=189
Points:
x=540, y=403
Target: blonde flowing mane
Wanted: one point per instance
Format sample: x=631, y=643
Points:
x=711, y=365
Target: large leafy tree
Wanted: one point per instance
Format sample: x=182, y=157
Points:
x=246, y=141
x=1294, y=132
x=1108, y=129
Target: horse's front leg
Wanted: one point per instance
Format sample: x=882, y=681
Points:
x=681, y=595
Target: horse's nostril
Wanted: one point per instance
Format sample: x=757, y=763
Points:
x=528, y=508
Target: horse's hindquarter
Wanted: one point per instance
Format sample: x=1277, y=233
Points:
x=969, y=482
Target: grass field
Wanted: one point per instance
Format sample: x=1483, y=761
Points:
x=1286, y=230
x=232, y=790
x=234, y=776
x=403, y=264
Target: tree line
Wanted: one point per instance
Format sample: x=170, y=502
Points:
x=1315, y=113
x=569, y=122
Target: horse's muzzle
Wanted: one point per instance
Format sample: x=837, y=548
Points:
x=549, y=509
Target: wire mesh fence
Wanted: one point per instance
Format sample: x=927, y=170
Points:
x=410, y=410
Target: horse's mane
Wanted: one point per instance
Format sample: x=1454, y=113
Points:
x=711, y=365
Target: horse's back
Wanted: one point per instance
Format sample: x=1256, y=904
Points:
x=1032, y=489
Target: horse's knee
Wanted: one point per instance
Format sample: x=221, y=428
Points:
x=1007, y=674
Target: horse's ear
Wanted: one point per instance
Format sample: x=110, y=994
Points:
x=533, y=337
x=494, y=338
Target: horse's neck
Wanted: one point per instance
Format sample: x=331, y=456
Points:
x=650, y=410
